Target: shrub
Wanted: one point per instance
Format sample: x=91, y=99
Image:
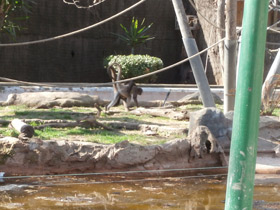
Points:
x=136, y=65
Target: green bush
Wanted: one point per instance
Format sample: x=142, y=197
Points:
x=136, y=65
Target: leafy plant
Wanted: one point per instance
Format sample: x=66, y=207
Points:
x=136, y=34
x=9, y=14
x=136, y=65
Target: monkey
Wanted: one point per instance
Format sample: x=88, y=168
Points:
x=122, y=91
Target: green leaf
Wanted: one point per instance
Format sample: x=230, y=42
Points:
x=135, y=35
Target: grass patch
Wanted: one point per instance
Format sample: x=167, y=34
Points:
x=8, y=132
x=276, y=112
x=97, y=135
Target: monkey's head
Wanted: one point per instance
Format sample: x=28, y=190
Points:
x=139, y=91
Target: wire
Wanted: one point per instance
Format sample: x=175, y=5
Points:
x=151, y=73
x=273, y=43
x=168, y=67
x=208, y=21
x=273, y=30
x=114, y=173
x=274, y=24
x=132, y=78
x=74, y=32
x=25, y=83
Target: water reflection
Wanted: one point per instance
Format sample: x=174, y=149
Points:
x=105, y=194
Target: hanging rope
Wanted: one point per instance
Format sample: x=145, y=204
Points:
x=74, y=32
x=133, y=78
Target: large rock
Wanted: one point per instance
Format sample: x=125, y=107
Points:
x=215, y=121
x=269, y=132
x=212, y=118
x=51, y=99
x=50, y=157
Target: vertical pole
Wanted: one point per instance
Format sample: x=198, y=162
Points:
x=230, y=56
x=191, y=49
x=221, y=32
x=242, y=162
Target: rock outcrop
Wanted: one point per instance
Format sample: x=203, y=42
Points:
x=215, y=121
x=51, y=99
x=54, y=157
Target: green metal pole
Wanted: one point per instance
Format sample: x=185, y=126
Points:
x=242, y=162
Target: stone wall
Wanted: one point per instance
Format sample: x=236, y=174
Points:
x=79, y=58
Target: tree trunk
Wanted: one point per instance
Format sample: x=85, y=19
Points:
x=208, y=8
x=24, y=129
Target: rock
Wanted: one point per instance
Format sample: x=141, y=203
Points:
x=269, y=131
x=212, y=118
x=195, y=98
x=203, y=142
x=52, y=157
x=51, y=99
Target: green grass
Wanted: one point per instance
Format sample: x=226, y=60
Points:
x=91, y=135
x=8, y=132
x=276, y=112
x=97, y=135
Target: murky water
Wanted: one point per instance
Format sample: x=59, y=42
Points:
x=105, y=194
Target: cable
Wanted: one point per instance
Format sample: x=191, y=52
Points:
x=74, y=32
x=273, y=43
x=208, y=21
x=170, y=66
x=274, y=24
x=273, y=30
x=114, y=173
x=25, y=83
x=132, y=78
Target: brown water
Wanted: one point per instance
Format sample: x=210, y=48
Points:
x=105, y=194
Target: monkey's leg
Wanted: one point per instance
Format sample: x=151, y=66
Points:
x=126, y=103
x=115, y=101
x=135, y=99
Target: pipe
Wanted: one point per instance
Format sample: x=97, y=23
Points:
x=242, y=162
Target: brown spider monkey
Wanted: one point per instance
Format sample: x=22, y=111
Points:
x=122, y=91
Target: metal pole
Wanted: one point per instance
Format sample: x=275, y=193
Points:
x=191, y=49
x=230, y=56
x=242, y=162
